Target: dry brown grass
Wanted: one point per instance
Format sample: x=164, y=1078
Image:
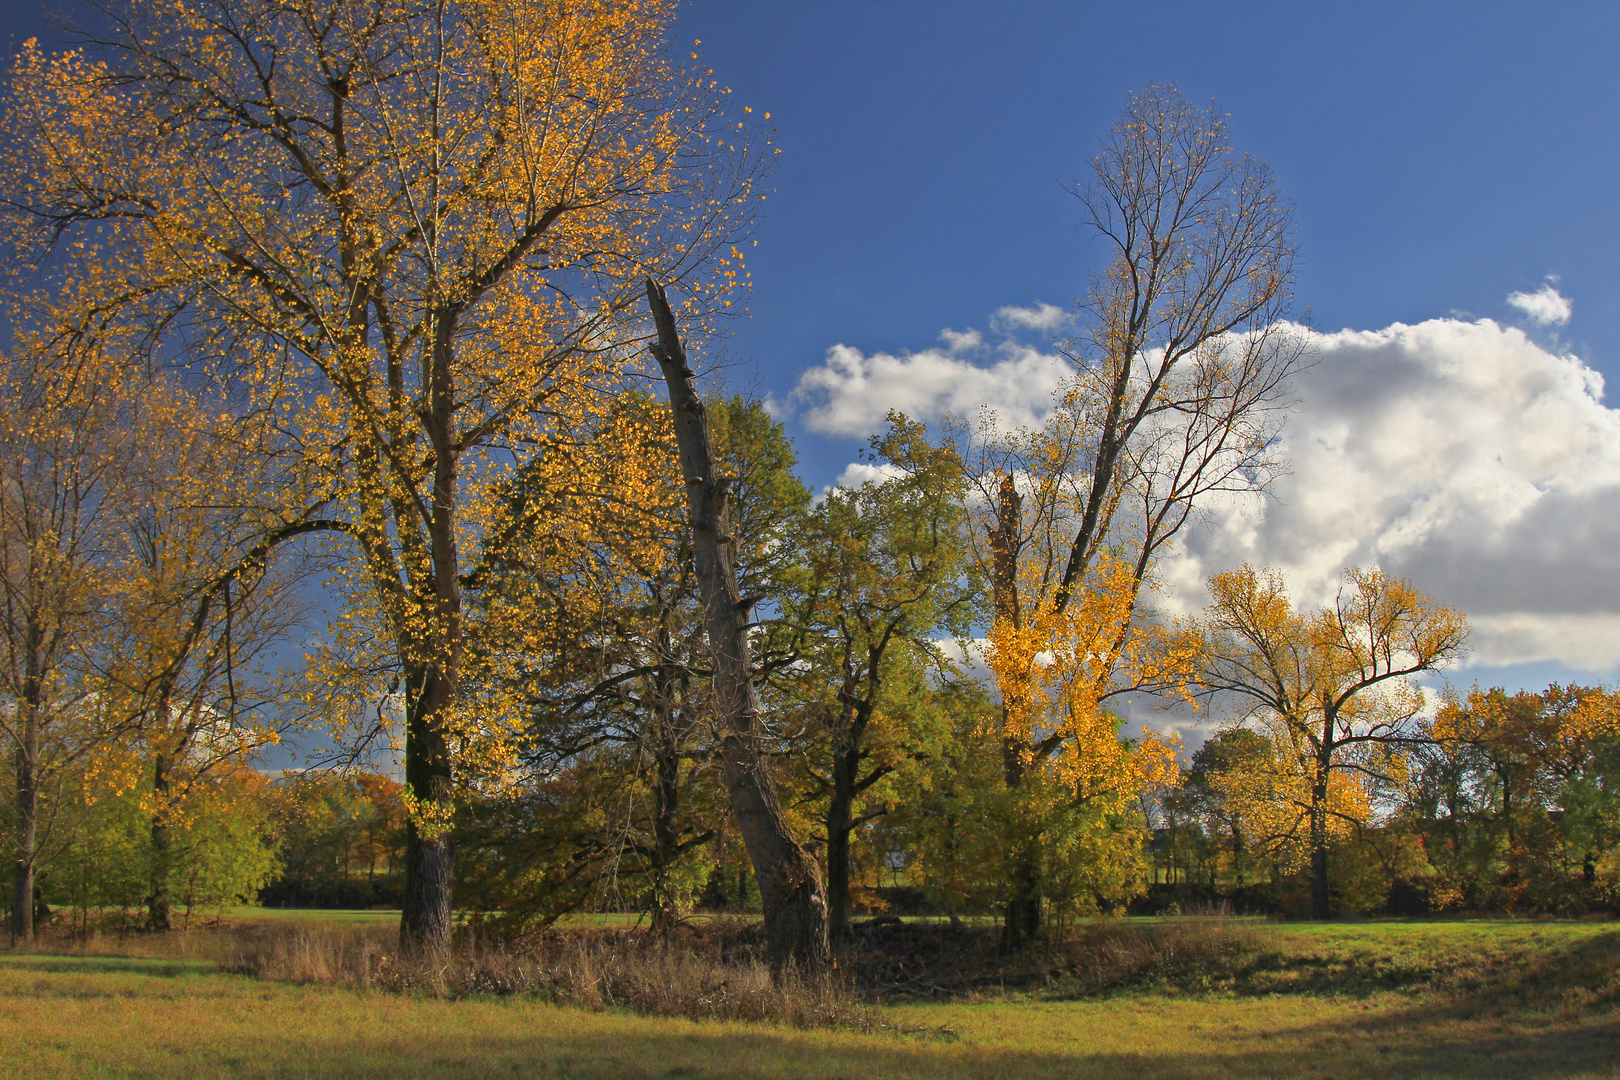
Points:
x=691, y=975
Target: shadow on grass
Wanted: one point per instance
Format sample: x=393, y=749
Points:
x=328, y=1034
x=1398, y=1046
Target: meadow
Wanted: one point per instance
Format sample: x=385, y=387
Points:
x=1179, y=998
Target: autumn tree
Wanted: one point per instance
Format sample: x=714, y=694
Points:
x=126, y=517
x=411, y=236
x=1331, y=687
x=195, y=608
x=1181, y=369
x=1515, y=792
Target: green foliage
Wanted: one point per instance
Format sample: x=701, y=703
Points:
x=222, y=847
x=966, y=829
x=341, y=840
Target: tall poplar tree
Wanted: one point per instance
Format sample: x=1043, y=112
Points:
x=1182, y=364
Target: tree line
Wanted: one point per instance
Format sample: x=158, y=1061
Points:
x=407, y=300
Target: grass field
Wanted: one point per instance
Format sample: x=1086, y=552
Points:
x=1396, y=999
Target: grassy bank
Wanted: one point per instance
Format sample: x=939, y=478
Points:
x=1485, y=999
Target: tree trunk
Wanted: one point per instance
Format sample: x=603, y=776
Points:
x=435, y=672
x=158, y=903
x=27, y=805
x=424, y=922
x=1021, y=918
x=1321, y=908
x=794, y=905
x=840, y=815
x=666, y=809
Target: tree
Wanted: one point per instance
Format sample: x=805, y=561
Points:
x=1180, y=387
x=1216, y=793
x=194, y=608
x=795, y=906
x=613, y=673
x=1524, y=784
x=64, y=449
x=1330, y=688
x=410, y=235
x=884, y=571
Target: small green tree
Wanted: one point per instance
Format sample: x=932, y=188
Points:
x=884, y=573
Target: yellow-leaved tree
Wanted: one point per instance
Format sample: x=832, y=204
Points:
x=411, y=235
x=1332, y=690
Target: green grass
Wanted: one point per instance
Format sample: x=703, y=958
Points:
x=331, y=915
x=1480, y=999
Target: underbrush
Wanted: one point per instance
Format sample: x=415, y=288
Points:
x=713, y=971
x=687, y=974
x=919, y=961
x=1482, y=965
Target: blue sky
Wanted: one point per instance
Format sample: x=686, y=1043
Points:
x=1441, y=156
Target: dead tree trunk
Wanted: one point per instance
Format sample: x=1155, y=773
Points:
x=789, y=882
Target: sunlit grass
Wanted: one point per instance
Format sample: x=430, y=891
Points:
x=1464, y=999
x=333, y=915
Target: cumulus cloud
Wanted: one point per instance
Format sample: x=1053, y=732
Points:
x=860, y=473
x=850, y=393
x=1461, y=455
x=1458, y=453
x=1544, y=307
x=1046, y=318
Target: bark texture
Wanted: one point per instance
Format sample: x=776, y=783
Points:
x=789, y=881
x=424, y=921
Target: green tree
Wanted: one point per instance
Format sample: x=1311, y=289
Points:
x=885, y=572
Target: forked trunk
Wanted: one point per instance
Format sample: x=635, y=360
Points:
x=794, y=905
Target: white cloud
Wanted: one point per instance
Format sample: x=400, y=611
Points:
x=961, y=341
x=860, y=473
x=1047, y=318
x=850, y=393
x=1544, y=307
x=1458, y=454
